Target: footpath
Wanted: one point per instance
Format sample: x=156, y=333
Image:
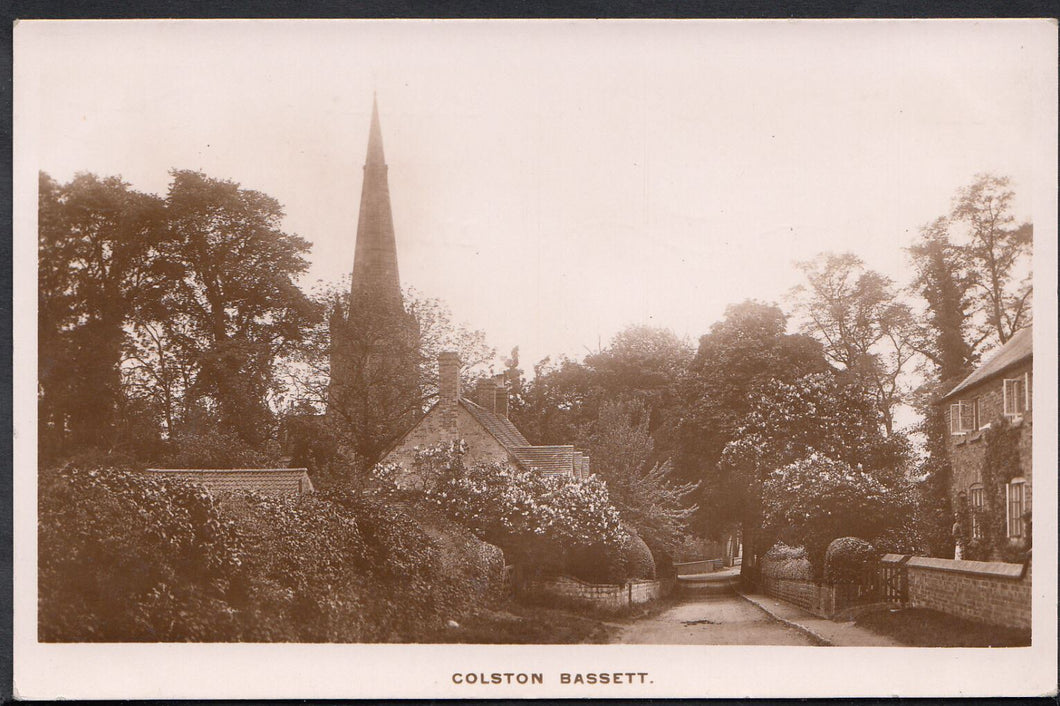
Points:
x=821, y=630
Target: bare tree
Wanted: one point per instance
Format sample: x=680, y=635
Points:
x=854, y=312
x=998, y=254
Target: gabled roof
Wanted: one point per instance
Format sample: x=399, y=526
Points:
x=499, y=426
x=271, y=481
x=547, y=459
x=1018, y=349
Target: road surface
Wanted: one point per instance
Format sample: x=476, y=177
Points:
x=712, y=620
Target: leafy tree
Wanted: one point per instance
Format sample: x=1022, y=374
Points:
x=559, y=402
x=99, y=266
x=647, y=498
x=854, y=312
x=640, y=363
x=944, y=282
x=819, y=414
x=235, y=307
x=997, y=251
x=742, y=353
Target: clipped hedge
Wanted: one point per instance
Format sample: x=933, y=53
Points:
x=847, y=559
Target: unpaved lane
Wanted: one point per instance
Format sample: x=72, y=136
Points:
x=712, y=620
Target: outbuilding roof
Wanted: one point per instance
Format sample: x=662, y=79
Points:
x=1016, y=350
x=546, y=459
x=271, y=481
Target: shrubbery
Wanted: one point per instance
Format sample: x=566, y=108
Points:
x=847, y=559
x=544, y=523
x=128, y=557
x=784, y=562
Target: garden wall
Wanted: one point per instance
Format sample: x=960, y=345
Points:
x=603, y=596
x=822, y=599
x=988, y=592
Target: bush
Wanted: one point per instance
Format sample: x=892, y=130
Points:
x=128, y=557
x=784, y=562
x=124, y=556
x=847, y=559
x=611, y=564
x=541, y=522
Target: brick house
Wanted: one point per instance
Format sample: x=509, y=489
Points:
x=481, y=421
x=997, y=393
x=283, y=482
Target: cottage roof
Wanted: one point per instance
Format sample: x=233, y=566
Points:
x=499, y=426
x=547, y=459
x=1018, y=349
x=272, y=481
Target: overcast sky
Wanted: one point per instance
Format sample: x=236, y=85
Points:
x=554, y=182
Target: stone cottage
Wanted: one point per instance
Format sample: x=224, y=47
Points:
x=998, y=392
x=481, y=421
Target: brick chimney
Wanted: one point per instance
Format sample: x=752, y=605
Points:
x=500, y=395
x=448, y=378
x=486, y=393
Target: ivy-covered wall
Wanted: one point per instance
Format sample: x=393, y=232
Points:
x=989, y=459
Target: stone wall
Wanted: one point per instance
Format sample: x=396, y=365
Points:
x=822, y=599
x=989, y=592
x=599, y=596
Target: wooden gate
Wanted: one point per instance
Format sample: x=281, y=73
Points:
x=894, y=580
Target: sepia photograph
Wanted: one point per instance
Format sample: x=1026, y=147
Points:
x=535, y=358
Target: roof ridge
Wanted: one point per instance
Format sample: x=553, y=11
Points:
x=1006, y=356
x=226, y=470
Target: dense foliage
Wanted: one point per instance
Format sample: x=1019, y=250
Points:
x=847, y=559
x=817, y=499
x=542, y=522
x=128, y=557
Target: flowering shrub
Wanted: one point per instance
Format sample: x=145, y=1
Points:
x=555, y=523
x=847, y=559
x=816, y=499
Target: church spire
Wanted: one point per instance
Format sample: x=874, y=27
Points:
x=375, y=267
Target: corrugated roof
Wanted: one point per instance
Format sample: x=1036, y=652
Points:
x=499, y=426
x=547, y=459
x=1018, y=348
x=272, y=481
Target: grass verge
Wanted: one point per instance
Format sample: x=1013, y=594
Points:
x=922, y=627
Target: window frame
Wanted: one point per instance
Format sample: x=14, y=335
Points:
x=1014, y=396
x=961, y=406
x=1017, y=521
x=976, y=502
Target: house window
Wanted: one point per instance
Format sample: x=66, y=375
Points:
x=975, y=501
x=1016, y=396
x=1015, y=502
x=964, y=416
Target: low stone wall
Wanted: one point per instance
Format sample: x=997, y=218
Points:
x=988, y=592
x=822, y=599
x=602, y=596
x=704, y=566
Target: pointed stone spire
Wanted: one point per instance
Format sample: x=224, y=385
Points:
x=375, y=266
